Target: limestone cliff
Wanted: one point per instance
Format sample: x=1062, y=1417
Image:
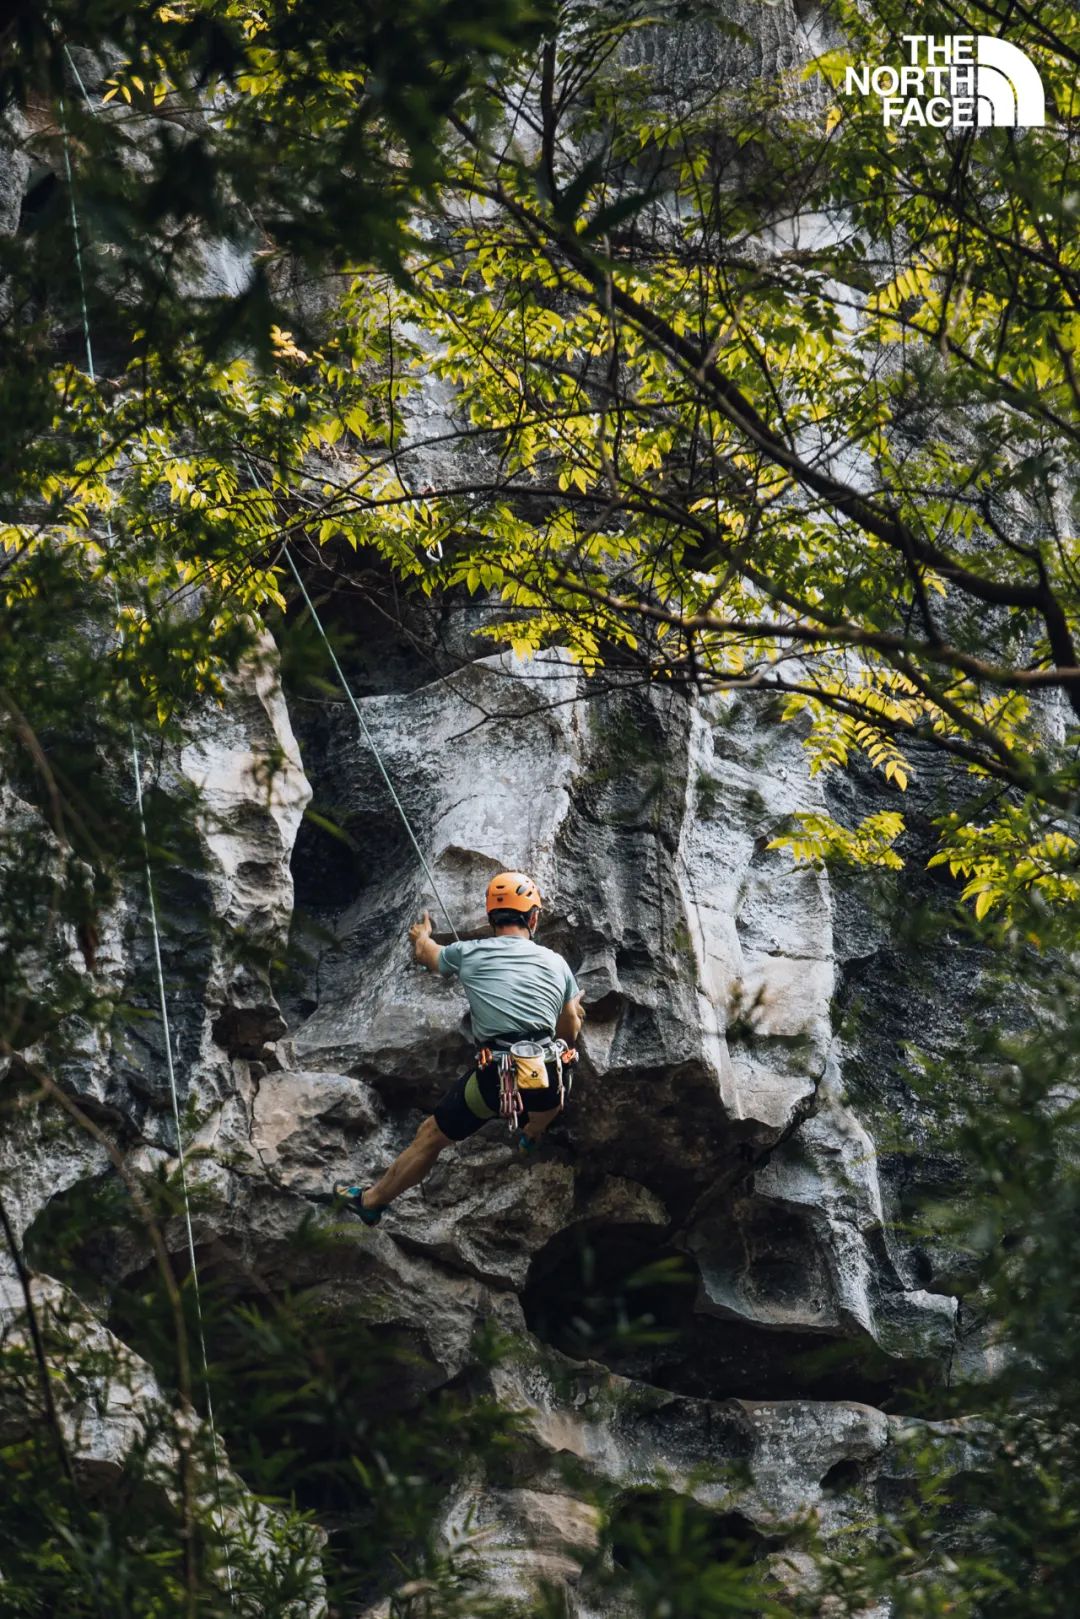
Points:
x=710, y=1124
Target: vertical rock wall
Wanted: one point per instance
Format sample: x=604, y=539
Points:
x=709, y=1127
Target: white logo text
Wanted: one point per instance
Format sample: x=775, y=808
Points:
x=954, y=81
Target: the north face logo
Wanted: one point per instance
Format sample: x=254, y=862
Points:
x=955, y=81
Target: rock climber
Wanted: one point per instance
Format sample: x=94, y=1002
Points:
x=522, y=996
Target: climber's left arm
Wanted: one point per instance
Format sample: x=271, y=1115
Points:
x=425, y=949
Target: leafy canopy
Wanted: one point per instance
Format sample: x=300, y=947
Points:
x=743, y=388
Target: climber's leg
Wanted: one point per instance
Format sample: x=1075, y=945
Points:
x=541, y=1109
x=409, y=1167
x=467, y=1106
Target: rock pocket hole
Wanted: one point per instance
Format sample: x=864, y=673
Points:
x=617, y=1295
x=341, y=852
x=607, y=1008
x=608, y=1294
x=657, y=1535
x=842, y=1476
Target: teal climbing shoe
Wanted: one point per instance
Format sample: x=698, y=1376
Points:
x=526, y=1143
x=352, y=1195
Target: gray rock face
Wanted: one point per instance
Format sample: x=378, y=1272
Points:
x=706, y=961
x=14, y=173
x=644, y=822
x=243, y=762
x=708, y=1144
x=709, y=1129
x=221, y=919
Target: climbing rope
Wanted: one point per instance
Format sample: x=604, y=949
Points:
x=365, y=729
x=136, y=765
x=369, y=739
x=316, y=619
x=155, y=931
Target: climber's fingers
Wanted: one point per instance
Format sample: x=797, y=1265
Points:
x=421, y=929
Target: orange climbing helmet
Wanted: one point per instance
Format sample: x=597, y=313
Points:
x=512, y=891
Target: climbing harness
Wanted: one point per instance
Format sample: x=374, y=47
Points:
x=525, y=1065
x=155, y=930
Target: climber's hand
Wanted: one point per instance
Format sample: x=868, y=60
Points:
x=425, y=949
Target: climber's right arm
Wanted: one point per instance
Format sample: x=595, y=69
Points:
x=571, y=1018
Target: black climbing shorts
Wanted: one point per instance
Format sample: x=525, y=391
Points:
x=474, y=1099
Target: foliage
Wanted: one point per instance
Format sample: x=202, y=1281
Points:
x=676, y=1560
x=117, y=1498
x=714, y=444
x=1008, y=856
x=820, y=838
x=692, y=435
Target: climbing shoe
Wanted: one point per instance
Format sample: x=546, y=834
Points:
x=352, y=1195
x=526, y=1143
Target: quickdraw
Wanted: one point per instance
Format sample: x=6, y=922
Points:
x=511, y=1101
x=567, y=1059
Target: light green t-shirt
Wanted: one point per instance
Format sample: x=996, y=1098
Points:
x=514, y=986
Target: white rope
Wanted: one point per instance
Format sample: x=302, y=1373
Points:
x=365, y=730
x=155, y=932
x=368, y=738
